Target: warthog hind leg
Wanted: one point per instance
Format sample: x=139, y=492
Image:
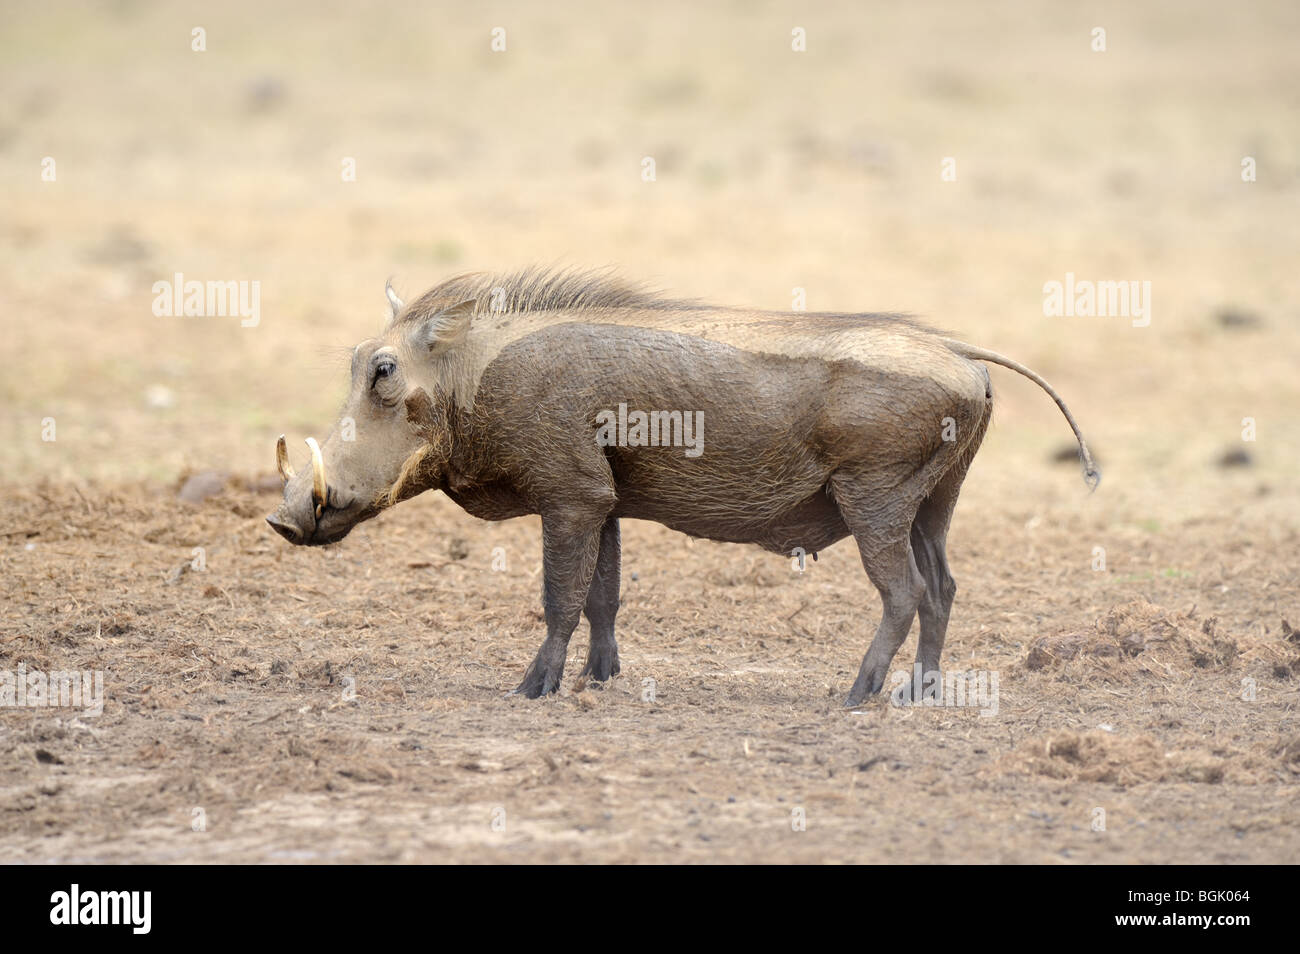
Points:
x=602, y=607
x=881, y=524
x=929, y=546
x=893, y=570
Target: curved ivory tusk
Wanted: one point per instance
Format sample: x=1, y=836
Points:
x=282, y=460
x=318, y=485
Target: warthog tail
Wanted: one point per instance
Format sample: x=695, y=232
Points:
x=1091, y=475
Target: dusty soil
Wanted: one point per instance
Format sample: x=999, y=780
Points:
x=349, y=704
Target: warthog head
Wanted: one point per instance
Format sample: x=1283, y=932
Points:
x=392, y=437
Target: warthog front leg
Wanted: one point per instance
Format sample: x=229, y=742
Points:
x=602, y=606
x=570, y=546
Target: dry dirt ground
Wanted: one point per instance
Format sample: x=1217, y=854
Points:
x=348, y=704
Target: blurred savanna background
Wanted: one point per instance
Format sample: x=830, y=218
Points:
x=794, y=147
x=774, y=170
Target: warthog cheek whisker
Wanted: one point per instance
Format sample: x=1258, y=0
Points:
x=410, y=467
x=420, y=467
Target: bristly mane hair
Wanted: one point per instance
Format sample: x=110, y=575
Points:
x=539, y=289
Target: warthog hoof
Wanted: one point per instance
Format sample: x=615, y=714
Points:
x=538, y=681
x=868, y=684
x=602, y=663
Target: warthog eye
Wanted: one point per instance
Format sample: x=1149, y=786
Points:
x=383, y=370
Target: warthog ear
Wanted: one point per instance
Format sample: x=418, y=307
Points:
x=395, y=304
x=448, y=327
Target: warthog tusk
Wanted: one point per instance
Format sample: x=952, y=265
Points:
x=282, y=460
x=318, y=486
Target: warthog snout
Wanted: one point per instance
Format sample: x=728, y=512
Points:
x=285, y=529
x=304, y=514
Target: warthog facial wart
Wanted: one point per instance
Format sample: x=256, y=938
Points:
x=529, y=393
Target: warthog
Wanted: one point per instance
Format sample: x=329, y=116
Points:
x=500, y=391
